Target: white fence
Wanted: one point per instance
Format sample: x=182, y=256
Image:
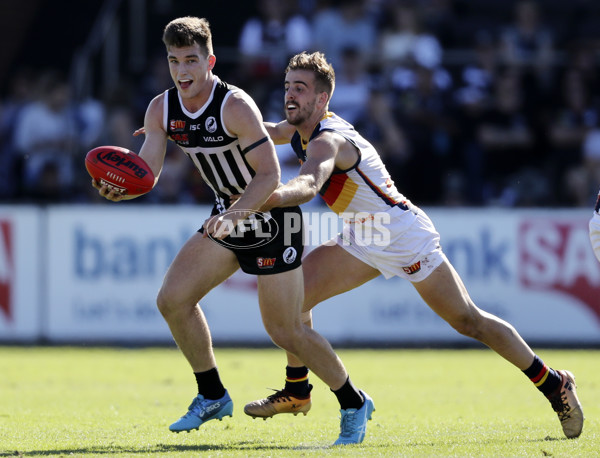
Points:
x=89, y=274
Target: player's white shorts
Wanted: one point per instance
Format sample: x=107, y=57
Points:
x=397, y=243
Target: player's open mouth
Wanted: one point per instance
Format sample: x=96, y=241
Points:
x=184, y=84
x=291, y=106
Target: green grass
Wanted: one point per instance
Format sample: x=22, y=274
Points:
x=97, y=402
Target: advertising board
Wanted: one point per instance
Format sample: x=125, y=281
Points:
x=21, y=273
x=532, y=268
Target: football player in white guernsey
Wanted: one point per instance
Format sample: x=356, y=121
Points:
x=346, y=170
x=595, y=229
x=203, y=263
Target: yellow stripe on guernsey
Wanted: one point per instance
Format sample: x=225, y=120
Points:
x=345, y=196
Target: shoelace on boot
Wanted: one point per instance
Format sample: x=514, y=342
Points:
x=560, y=405
x=279, y=396
x=348, y=423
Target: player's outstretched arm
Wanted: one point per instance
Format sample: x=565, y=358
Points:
x=319, y=165
x=281, y=132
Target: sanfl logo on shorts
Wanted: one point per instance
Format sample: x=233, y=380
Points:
x=289, y=255
x=410, y=270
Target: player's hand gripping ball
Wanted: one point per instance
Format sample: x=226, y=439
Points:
x=120, y=169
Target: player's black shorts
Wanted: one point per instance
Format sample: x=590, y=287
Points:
x=267, y=243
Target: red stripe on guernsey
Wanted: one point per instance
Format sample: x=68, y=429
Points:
x=538, y=377
x=387, y=199
x=334, y=187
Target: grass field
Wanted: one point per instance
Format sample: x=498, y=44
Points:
x=88, y=402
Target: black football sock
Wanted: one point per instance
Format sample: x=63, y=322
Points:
x=546, y=379
x=296, y=381
x=209, y=384
x=348, y=396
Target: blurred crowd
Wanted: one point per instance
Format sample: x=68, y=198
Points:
x=466, y=109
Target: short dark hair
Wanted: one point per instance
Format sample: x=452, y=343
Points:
x=316, y=63
x=187, y=31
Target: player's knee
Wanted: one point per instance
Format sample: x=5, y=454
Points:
x=282, y=337
x=168, y=302
x=282, y=341
x=163, y=303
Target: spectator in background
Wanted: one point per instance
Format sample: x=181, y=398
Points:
x=352, y=88
x=154, y=81
x=343, y=24
x=591, y=157
x=122, y=119
x=266, y=42
x=439, y=19
x=477, y=78
x=403, y=42
x=581, y=181
x=582, y=57
x=47, y=138
x=421, y=103
x=506, y=137
x=19, y=96
x=473, y=97
x=388, y=137
x=528, y=43
x=570, y=137
x=429, y=120
x=420, y=100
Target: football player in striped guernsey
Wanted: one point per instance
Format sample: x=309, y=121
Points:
x=221, y=130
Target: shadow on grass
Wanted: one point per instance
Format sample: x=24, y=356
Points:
x=446, y=442
x=244, y=446
x=162, y=448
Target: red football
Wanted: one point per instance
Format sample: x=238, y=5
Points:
x=120, y=169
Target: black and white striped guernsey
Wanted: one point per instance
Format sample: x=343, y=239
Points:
x=202, y=135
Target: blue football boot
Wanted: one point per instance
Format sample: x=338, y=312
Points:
x=201, y=410
x=353, y=425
